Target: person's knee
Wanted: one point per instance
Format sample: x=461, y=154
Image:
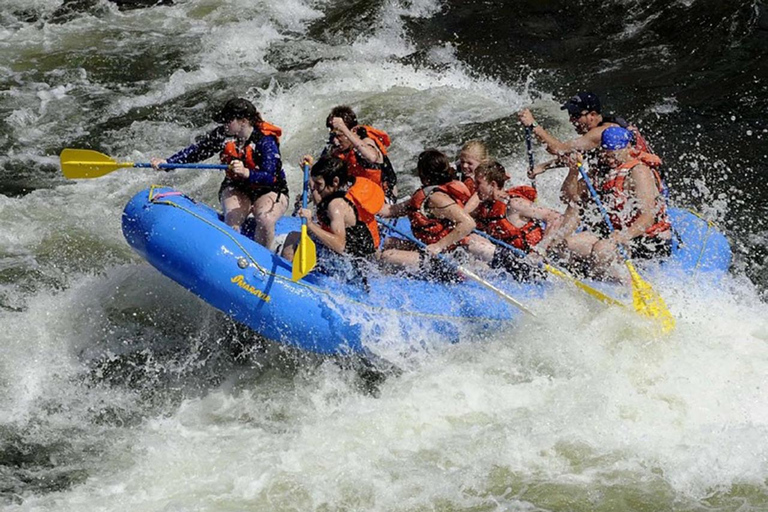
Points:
x=291, y=242
x=603, y=251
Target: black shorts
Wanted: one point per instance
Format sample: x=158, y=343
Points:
x=648, y=248
x=251, y=192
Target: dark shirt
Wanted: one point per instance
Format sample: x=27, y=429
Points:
x=266, y=154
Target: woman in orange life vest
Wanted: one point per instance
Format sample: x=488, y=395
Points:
x=345, y=211
x=631, y=192
x=255, y=182
x=364, y=148
x=437, y=216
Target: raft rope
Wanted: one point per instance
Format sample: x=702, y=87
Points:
x=710, y=226
x=156, y=199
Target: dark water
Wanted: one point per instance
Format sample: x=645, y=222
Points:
x=708, y=59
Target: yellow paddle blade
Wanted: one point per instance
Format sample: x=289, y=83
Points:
x=584, y=286
x=305, y=257
x=86, y=163
x=649, y=303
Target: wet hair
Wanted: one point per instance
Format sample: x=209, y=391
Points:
x=476, y=148
x=238, y=108
x=345, y=113
x=493, y=172
x=435, y=168
x=328, y=167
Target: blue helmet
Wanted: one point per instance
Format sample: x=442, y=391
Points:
x=615, y=138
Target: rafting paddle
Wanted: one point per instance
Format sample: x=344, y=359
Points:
x=86, y=163
x=463, y=270
x=305, y=257
x=644, y=298
x=529, y=149
x=555, y=271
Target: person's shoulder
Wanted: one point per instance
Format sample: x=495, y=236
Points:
x=338, y=203
x=267, y=139
x=597, y=132
x=641, y=168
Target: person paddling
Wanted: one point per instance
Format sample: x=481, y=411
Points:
x=630, y=189
x=363, y=148
x=255, y=181
x=585, y=113
x=511, y=216
x=346, y=208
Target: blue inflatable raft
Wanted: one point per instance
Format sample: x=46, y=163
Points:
x=188, y=242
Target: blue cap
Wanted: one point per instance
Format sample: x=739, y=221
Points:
x=615, y=138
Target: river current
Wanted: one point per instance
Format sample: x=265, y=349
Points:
x=120, y=391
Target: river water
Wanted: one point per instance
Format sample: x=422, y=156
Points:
x=120, y=391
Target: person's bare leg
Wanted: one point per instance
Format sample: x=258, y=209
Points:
x=290, y=245
x=236, y=207
x=266, y=211
x=399, y=253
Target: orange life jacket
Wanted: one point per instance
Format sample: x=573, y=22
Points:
x=366, y=199
x=232, y=152
x=615, y=198
x=368, y=170
x=429, y=229
x=491, y=217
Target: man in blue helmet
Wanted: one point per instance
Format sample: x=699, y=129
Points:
x=631, y=192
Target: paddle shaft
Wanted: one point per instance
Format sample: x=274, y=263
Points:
x=529, y=149
x=305, y=192
x=461, y=269
x=600, y=207
x=179, y=166
x=553, y=270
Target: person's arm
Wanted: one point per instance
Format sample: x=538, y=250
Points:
x=528, y=209
x=203, y=149
x=644, y=185
x=472, y=203
x=400, y=209
x=366, y=148
x=544, y=167
x=336, y=238
x=555, y=146
x=572, y=189
x=443, y=206
x=561, y=229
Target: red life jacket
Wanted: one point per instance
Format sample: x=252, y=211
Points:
x=245, y=155
x=370, y=171
x=470, y=183
x=491, y=217
x=429, y=229
x=615, y=198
